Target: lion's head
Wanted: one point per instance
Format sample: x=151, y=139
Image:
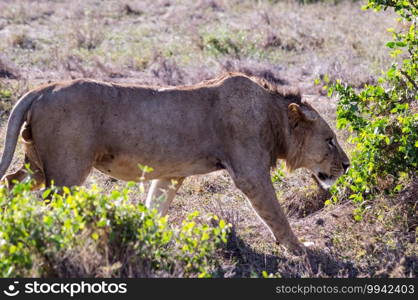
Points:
x=313, y=145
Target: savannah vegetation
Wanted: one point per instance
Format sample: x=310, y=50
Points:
x=357, y=67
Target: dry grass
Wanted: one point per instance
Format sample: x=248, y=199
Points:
x=284, y=42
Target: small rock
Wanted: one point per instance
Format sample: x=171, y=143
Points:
x=308, y=244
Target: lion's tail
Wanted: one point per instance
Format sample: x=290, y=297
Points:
x=16, y=119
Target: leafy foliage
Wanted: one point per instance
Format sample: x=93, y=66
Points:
x=278, y=174
x=383, y=118
x=36, y=235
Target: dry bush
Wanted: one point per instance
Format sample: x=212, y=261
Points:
x=23, y=41
x=10, y=91
x=305, y=201
x=8, y=69
x=166, y=70
x=129, y=9
x=87, y=36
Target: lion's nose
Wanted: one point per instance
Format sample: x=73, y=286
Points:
x=345, y=166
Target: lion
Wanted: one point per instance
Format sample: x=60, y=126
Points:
x=238, y=123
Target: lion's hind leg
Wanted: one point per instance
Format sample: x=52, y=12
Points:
x=38, y=178
x=162, y=193
x=32, y=166
x=11, y=179
x=34, y=173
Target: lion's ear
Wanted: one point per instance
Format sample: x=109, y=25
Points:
x=298, y=114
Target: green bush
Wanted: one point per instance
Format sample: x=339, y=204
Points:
x=383, y=118
x=220, y=42
x=6, y=98
x=44, y=237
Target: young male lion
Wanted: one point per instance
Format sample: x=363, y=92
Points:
x=236, y=123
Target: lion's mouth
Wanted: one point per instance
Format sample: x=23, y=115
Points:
x=324, y=181
x=323, y=176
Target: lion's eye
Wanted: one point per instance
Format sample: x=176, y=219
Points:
x=330, y=142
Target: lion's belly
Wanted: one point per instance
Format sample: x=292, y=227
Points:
x=127, y=168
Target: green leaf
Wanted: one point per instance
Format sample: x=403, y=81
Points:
x=46, y=193
x=390, y=45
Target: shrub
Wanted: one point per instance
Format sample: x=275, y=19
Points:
x=221, y=42
x=115, y=236
x=383, y=118
x=221, y=45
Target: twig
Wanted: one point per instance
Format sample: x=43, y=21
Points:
x=410, y=79
x=413, y=4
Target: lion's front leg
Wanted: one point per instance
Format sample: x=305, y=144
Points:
x=257, y=186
